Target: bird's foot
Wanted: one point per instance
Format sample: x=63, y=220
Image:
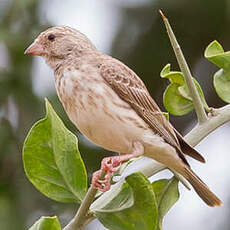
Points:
x=109, y=165
x=102, y=184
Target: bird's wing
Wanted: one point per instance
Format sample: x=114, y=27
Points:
x=188, y=149
x=131, y=89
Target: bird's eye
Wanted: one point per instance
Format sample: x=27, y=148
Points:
x=51, y=37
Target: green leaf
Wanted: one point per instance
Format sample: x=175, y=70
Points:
x=134, y=207
x=184, y=91
x=167, y=194
x=46, y=223
x=213, y=49
x=173, y=76
x=215, y=53
x=222, y=84
x=118, y=198
x=177, y=99
x=174, y=102
x=165, y=70
x=52, y=161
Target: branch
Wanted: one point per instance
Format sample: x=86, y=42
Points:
x=83, y=217
x=197, y=102
x=218, y=117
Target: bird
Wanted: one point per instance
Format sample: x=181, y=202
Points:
x=111, y=106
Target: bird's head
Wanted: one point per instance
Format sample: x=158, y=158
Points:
x=60, y=42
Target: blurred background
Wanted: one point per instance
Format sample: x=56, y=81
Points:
x=132, y=31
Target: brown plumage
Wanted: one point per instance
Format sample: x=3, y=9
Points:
x=111, y=106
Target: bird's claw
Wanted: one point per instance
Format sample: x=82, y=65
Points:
x=101, y=184
x=109, y=165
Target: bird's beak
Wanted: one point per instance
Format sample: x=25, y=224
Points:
x=35, y=49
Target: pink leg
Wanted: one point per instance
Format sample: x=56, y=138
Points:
x=109, y=165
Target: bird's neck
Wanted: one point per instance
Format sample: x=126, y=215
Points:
x=57, y=64
x=54, y=62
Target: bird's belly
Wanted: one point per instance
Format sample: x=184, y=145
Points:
x=109, y=130
x=105, y=132
x=113, y=125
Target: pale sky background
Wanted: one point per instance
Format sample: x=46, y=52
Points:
x=99, y=20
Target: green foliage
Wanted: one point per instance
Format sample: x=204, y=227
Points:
x=215, y=53
x=136, y=211
x=167, y=194
x=175, y=103
x=176, y=98
x=52, y=160
x=46, y=223
x=136, y=204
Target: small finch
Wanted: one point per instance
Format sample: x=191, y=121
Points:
x=112, y=107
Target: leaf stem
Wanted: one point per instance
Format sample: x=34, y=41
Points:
x=197, y=102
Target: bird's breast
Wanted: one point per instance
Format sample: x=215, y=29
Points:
x=98, y=112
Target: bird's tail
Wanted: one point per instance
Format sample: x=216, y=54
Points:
x=201, y=188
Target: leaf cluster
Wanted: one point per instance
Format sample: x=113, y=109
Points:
x=177, y=99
